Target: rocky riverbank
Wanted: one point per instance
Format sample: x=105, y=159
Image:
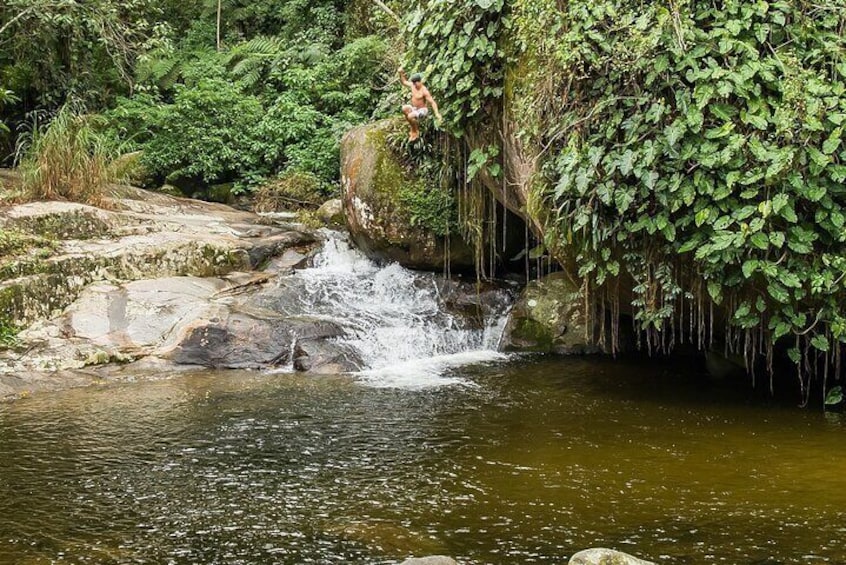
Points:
x=153, y=284
x=86, y=291
x=81, y=286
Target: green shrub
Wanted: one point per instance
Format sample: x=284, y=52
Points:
x=209, y=134
x=268, y=107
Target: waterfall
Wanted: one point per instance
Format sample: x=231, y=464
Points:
x=397, y=320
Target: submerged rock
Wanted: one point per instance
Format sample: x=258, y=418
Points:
x=549, y=318
x=390, y=537
x=603, y=556
x=378, y=221
x=430, y=560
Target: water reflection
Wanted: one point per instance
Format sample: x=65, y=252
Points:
x=540, y=459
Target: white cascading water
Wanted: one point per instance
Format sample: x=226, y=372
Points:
x=395, y=318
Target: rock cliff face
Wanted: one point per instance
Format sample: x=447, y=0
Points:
x=379, y=223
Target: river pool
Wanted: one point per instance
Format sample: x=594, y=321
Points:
x=522, y=461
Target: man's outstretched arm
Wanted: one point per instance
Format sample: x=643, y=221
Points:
x=403, y=78
x=434, y=105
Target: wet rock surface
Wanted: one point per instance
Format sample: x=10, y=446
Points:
x=260, y=339
x=603, y=556
x=548, y=318
x=331, y=212
x=128, y=282
x=430, y=560
x=141, y=235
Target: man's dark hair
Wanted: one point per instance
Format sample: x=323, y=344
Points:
x=416, y=77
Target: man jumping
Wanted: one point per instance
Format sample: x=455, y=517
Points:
x=420, y=97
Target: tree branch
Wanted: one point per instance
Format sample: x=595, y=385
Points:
x=24, y=12
x=387, y=10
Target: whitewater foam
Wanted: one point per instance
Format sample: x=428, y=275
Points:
x=395, y=319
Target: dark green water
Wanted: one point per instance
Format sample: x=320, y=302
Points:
x=529, y=462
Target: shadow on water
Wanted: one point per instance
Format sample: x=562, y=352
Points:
x=525, y=461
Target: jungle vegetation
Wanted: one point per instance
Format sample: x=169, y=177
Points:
x=213, y=92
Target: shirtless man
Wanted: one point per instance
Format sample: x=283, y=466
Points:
x=418, y=108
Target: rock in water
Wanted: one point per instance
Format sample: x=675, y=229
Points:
x=603, y=556
x=548, y=317
x=235, y=339
x=430, y=560
x=378, y=221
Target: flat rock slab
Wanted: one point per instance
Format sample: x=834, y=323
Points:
x=139, y=235
x=140, y=313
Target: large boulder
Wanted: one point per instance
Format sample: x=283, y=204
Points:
x=603, y=556
x=380, y=223
x=256, y=339
x=548, y=317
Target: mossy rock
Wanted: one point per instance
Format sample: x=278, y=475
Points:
x=59, y=220
x=375, y=193
x=548, y=318
x=57, y=282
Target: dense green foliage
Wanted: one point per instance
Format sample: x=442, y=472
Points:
x=706, y=145
x=692, y=152
x=459, y=44
x=289, y=78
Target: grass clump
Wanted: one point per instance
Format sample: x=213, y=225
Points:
x=67, y=160
x=8, y=335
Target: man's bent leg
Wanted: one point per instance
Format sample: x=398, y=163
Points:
x=411, y=117
x=407, y=110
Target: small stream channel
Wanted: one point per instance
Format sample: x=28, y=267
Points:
x=440, y=446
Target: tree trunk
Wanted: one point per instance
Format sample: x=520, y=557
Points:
x=219, y=2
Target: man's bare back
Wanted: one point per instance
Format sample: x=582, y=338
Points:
x=421, y=99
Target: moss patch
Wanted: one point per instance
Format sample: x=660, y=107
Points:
x=413, y=199
x=22, y=254
x=14, y=242
x=58, y=282
x=72, y=225
x=532, y=336
x=8, y=335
